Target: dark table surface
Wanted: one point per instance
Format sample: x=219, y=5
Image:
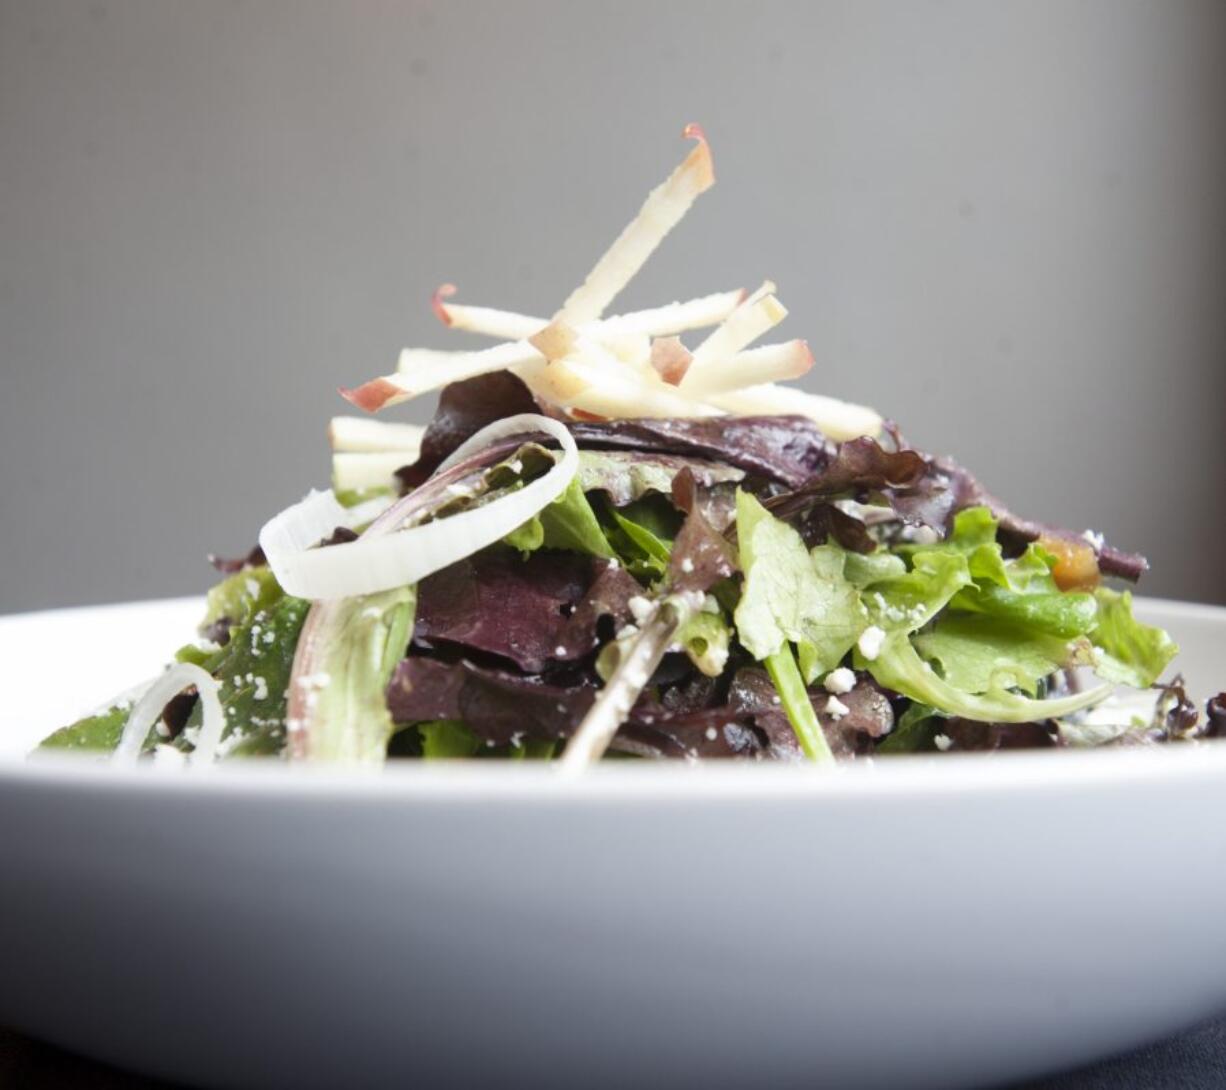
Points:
x=1193, y=1061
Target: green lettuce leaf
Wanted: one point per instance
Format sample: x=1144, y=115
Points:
x=907, y=602
x=898, y=666
x=792, y=595
x=977, y=653
x=865, y=569
x=706, y=638
x=794, y=698
x=354, y=647
x=567, y=523
x=447, y=739
x=1127, y=651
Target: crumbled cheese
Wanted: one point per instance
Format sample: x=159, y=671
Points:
x=612, y=564
x=560, y=650
x=162, y=729
x=841, y=680
x=920, y=535
x=835, y=708
x=641, y=608
x=712, y=734
x=870, y=642
x=261, y=689
x=1095, y=539
x=942, y=742
x=687, y=565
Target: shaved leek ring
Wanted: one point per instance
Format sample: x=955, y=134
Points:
x=381, y=560
x=148, y=710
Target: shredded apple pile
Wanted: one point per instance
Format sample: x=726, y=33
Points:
x=609, y=542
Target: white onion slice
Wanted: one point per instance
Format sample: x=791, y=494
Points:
x=148, y=709
x=381, y=561
x=661, y=212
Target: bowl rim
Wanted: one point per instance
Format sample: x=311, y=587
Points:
x=904, y=776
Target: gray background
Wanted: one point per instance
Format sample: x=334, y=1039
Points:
x=1001, y=223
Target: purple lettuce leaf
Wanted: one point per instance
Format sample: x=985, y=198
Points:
x=499, y=706
x=502, y=604
x=971, y=736
x=701, y=555
x=947, y=488
x=464, y=408
x=534, y=611
x=785, y=449
x=1215, y=716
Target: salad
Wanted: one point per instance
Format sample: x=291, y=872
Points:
x=613, y=542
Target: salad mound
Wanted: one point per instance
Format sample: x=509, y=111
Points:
x=609, y=543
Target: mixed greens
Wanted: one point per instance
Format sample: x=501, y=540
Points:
x=608, y=544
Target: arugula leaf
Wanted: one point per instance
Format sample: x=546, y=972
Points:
x=792, y=595
x=567, y=523
x=240, y=595
x=253, y=670
x=1127, y=651
x=653, y=550
x=642, y=536
x=99, y=732
x=913, y=732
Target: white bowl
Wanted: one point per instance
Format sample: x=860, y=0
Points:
x=924, y=922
